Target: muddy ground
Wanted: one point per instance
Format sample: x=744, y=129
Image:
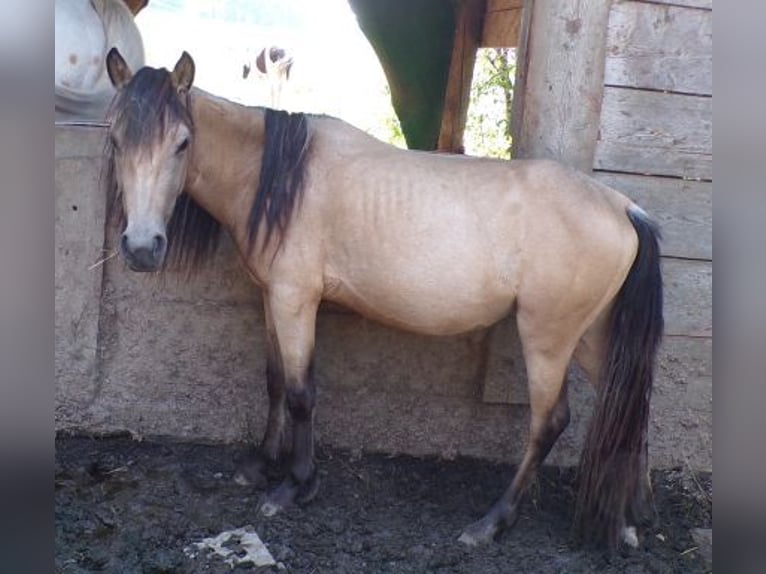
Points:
x=127, y=506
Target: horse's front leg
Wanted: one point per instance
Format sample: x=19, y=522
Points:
x=293, y=314
x=255, y=463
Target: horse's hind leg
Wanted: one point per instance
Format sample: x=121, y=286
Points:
x=549, y=408
x=253, y=466
x=590, y=354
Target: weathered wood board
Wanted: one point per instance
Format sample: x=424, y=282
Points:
x=502, y=21
x=562, y=82
x=499, y=5
x=458, y=92
x=660, y=47
x=704, y=4
x=655, y=133
x=688, y=297
x=683, y=208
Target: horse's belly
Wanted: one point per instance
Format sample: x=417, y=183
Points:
x=435, y=302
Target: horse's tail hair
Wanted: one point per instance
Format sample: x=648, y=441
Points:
x=612, y=475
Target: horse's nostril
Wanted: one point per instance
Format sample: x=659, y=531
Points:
x=124, y=243
x=158, y=245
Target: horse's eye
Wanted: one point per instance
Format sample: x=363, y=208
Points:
x=182, y=146
x=113, y=141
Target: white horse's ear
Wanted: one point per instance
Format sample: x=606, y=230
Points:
x=183, y=73
x=117, y=68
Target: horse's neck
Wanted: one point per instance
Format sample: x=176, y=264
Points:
x=225, y=168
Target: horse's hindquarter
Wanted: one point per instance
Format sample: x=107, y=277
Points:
x=423, y=242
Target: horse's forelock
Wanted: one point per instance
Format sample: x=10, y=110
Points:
x=142, y=110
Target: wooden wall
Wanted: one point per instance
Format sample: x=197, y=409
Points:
x=623, y=89
x=655, y=144
x=502, y=22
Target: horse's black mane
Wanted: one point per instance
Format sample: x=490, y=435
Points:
x=283, y=166
x=144, y=107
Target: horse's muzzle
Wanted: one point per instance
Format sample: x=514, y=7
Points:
x=144, y=253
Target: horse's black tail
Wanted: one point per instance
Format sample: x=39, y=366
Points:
x=613, y=465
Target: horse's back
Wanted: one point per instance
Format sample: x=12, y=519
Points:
x=444, y=244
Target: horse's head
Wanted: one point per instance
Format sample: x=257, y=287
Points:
x=150, y=138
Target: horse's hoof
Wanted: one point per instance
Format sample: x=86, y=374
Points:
x=251, y=470
x=480, y=532
x=308, y=490
x=468, y=539
x=630, y=537
x=250, y=477
x=270, y=508
x=241, y=479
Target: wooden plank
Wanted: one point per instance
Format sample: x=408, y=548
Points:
x=564, y=81
x=688, y=297
x=520, y=81
x=683, y=208
x=499, y=5
x=611, y=156
x=705, y=4
x=655, y=133
x=660, y=47
x=501, y=29
x=458, y=91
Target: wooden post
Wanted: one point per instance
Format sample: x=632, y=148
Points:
x=560, y=80
x=456, y=98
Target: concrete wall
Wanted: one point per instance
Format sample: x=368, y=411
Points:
x=185, y=358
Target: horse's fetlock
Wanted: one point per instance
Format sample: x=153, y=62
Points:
x=300, y=402
x=303, y=472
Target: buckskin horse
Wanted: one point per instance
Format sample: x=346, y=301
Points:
x=431, y=243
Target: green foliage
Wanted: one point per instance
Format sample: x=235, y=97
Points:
x=488, y=126
x=391, y=129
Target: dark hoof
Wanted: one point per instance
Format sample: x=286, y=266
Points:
x=484, y=531
x=290, y=492
x=308, y=490
x=252, y=470
x=480, y=532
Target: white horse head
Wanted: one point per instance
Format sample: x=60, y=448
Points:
x=85, y=31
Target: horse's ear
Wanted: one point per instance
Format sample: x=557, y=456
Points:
x=183, y=73
x=117, y=68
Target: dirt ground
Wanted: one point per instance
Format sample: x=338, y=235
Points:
x=128, y=506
